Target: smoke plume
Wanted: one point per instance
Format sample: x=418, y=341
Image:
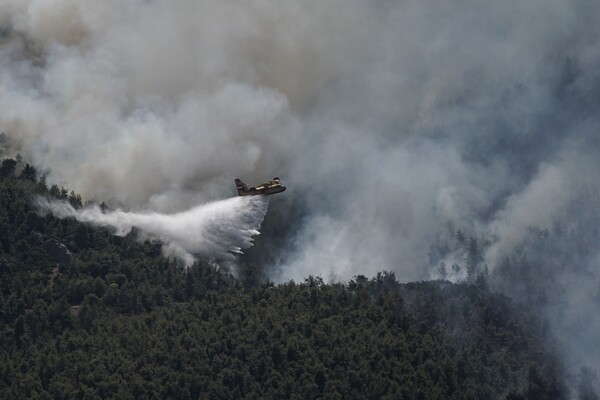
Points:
x=393, y=123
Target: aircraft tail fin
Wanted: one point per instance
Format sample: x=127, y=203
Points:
x=240, y=186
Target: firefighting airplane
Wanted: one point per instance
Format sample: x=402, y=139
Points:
x=271, y=187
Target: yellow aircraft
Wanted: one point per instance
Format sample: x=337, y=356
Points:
x=271, y=187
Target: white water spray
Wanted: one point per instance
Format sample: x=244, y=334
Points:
x=214, y=230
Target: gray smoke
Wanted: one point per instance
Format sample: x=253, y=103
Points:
x=393, y=124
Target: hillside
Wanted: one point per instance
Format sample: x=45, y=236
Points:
x=86, y=314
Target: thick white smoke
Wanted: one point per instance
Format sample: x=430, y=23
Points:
x=392, y=123
x=215, y=230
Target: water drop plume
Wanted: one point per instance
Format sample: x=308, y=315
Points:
x=214, y=230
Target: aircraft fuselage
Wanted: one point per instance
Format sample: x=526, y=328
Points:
x=271, y=187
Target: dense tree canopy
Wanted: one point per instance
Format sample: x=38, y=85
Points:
x=86, y=314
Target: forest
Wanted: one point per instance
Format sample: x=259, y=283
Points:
x=88, y=314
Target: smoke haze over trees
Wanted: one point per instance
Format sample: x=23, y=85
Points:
x=393, y=123
x=85, y=313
